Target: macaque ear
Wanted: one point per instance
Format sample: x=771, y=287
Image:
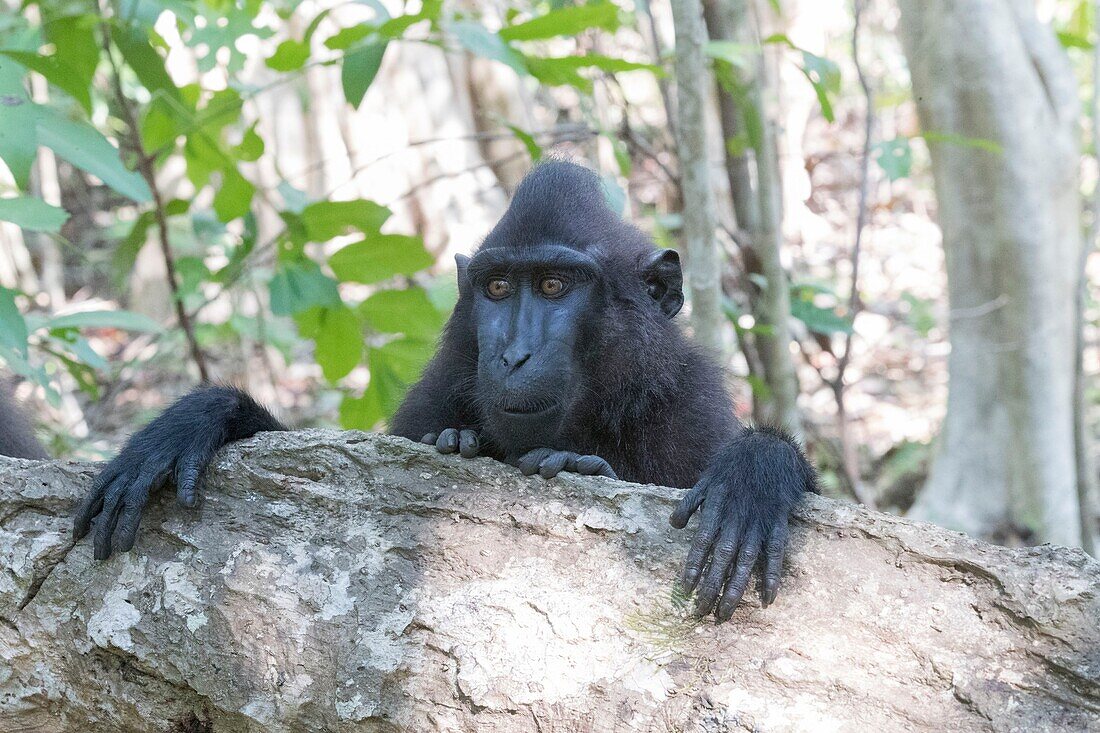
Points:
x=664, y=280
x=462, y=261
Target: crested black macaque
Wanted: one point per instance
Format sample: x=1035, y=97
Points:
x=561, y=355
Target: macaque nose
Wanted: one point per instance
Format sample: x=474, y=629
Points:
x=515, y=357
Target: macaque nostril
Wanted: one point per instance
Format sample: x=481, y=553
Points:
x=514, y=360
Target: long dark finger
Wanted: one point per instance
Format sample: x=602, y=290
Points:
x=129, y=518
x=594, y=466
x=468, y=445
x=691, y=501
x=429, y=438
x=188, y=472
x=739, y=580
x=92, y=503
x=697, y=555
x=553, y=464
x=773, y=561
x=529, y=463
x=447, y=441
x=718, y=571
x=108, y=518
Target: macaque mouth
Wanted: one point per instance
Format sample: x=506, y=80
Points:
x=527, y=409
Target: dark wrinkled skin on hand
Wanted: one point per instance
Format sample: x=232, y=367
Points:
x=562, y=336
x=546, y=462
x=744, y=501
x=176, y=448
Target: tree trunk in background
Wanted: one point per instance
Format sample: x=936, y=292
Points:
x=702, y=269
x=988, y=70
x=352, y=582
x=1084, y=441
x=759, y=215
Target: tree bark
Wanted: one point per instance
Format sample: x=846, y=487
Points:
x=988, y=70
x=702, y=269
x=758, y=213
x=346, y=581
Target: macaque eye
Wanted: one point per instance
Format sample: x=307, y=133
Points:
x=551, y=287
x=498, y=288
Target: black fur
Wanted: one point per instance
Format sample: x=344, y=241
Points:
x=653, y=405
x=16, y=434
x=649, y=406
x=596, y=380
x=175, y=447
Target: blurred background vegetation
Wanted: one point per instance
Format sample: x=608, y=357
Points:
x=880, y=204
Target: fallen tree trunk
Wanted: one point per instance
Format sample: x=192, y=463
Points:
x=345, y=581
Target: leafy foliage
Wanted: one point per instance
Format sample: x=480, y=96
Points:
x=116, y=112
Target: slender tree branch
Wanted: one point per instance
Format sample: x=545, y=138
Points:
x=146, y=168
x=849, y=454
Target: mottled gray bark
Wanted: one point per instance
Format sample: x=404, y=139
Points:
x=347, y=582
x=988, y=70
x=702, y=267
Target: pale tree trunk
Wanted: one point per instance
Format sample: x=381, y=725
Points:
x=348, y=582
x=988, y=70
x=701, y=270
x=759, y=215
x=1084, y=443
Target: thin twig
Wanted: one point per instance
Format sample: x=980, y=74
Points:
x=562, y=133
x=849, y=456
x=148, y=173
x=454, y=174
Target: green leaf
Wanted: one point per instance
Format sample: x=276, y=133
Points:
x=362, y=413
x=251, y=146
x=290, y=55
x=358, y=71
x=161, y=124
x=32, y=214
x=404, y=358
x=126, y=252
x=75, y=83
x=299, y=286
x=75, y=36
x=408, y=311
x=143, y=58
x=13, y=329
x=824, y=76
x=18, y=139
x=565, y=21
x=919, y=313
x=613, y=194
x=743, y=56
x=480, y=41
x=533, y=148
x=122, y=320
x=338, y=338
x=327, y=219
x=817, y=318
x=83, y=146
x=895, y=157
x=234, y=198
x=380, y=257
x=563, y=70
x=345, y=38
x=1072, y=40
x=392, y=368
